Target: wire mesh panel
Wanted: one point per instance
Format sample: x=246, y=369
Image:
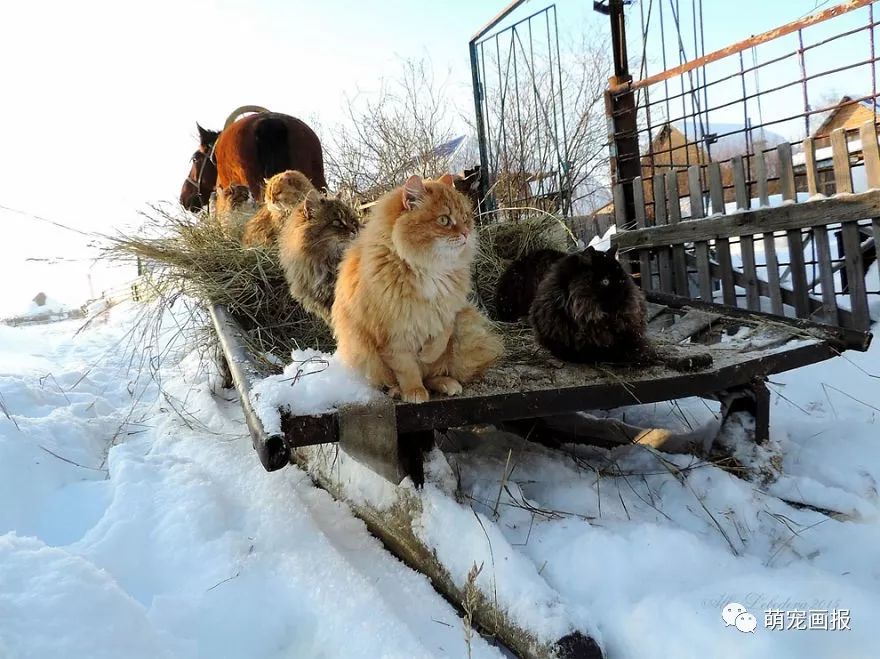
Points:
x=747, y=129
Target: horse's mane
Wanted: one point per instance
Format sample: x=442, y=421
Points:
x=244, y=109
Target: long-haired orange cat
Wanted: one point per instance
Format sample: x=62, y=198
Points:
x=401, y=314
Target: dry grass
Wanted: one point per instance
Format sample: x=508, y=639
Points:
x=502, y=243
x=202, y=258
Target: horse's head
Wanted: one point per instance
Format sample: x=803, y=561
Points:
x=202, y=174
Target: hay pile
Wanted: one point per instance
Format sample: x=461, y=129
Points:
x=203, y=258
x=502, y=243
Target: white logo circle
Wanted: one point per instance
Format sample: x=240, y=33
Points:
x=746, y=622
x=730, y=612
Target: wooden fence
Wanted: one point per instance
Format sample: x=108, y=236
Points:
x=693, y=256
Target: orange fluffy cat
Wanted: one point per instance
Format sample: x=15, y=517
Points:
x=401, y=314
x=283, y=192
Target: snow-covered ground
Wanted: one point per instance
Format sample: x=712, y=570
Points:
x=136, y=521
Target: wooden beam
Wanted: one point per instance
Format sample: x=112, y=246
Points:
x=820, y=212
x=270, y=448
x=870, y=153
x=840, y=160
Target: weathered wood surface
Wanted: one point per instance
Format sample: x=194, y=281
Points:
x=822, y=212
x=394, y=526
x=526, y=390
x=244, y=371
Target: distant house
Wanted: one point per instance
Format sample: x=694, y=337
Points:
x=849, y=115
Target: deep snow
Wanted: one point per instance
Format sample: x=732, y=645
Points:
x=135, y=520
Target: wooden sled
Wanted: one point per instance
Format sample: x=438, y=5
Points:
x=731, y=353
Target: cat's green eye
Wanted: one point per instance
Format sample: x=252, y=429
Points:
x=444, y=221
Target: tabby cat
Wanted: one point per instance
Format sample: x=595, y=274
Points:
x=282, y=193
x=311, y=243
x=519, y=283
x=401, y=315
x=587, y=309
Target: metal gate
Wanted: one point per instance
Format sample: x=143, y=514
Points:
x=736, y=211
x=521, y=117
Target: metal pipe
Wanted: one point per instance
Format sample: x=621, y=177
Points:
x=745, y=44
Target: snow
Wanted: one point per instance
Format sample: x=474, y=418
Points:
x=312, y=383
x=167, y=538
x=136, y=520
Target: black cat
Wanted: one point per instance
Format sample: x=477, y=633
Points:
x=519, y=283
x=587, y=309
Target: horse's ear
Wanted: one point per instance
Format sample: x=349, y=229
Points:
x=413, y=192
x=311, y=203
x=447, y=179
x=206, y=137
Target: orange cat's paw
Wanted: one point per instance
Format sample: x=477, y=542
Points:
x=444, y=385
x=414, y=395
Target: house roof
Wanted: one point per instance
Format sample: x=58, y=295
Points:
x=846, y=101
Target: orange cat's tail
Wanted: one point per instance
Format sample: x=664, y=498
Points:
x=475, y=345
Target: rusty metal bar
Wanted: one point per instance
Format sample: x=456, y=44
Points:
x=745, y=44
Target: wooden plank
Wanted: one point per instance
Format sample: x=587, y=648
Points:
x=747, y=249
x=672, y=198
x=244, y=371
x=639, y=202
x=686, y=326
x=743, y=198
x=798, y=273
x=695, y=188
x=841, y=337
x=761, y=177
x=664, y=259
x=810, y=166
x=871, y=153
x=786, y=171
x=773, y=285
x=876, y=231
x=653, y=310
x=645, y=274
x=728, y=287
x=716, y=188
x=762, y=220
x=664, y=269
x=679, y=271
x=659, y=189
x=840, y=159
x=619, y=206
x=855, y=275
x=739, y=279
x=826, y=275
x=701, y=251
x=679, y=262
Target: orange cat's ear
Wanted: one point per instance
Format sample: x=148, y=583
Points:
x=413, y=192
x=310, y=203
x=447, y=179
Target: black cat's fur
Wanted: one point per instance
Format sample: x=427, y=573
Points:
x=519, y=283
x=588, y=309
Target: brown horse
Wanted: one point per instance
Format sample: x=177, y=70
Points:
x=247, y=152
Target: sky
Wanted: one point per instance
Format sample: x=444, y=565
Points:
x=102, y=98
